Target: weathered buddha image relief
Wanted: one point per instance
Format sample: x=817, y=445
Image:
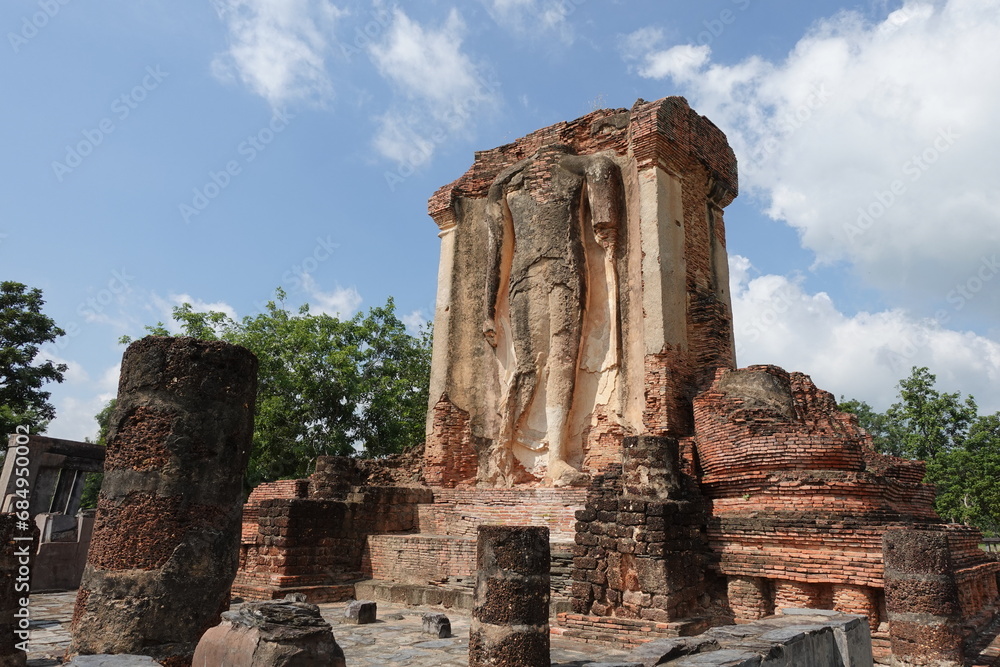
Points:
x=551, y=304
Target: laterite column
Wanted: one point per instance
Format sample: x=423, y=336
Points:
x=166, y=538
x=510, y=617
x=921, y=598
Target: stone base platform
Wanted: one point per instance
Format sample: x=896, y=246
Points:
x=426, y=595
x=623, y=632
x=315, y=594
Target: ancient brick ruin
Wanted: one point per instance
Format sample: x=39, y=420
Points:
x=679, y=492
x=164, y=550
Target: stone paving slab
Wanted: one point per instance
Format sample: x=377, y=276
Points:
x=397, y=638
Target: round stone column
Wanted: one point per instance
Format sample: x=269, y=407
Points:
x=166, y=537
x=510, y=617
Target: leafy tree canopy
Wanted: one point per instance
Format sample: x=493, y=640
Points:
x=23, y=328
x=961, y=447
x=325, y=385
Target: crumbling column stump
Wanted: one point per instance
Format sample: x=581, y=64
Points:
x=166, y=536
x=921, y=599
x=510, y=617
x=283, y=633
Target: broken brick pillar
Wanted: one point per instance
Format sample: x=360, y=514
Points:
x=510, y=616
x=641, y=550
x=749, y=598
x=921, y=597
x=166, y=538
x=857, y=600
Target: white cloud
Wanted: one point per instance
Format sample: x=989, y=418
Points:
x=278, y=48
x=679, y=62
x=861, y=356
x=165, y=308
x=78, y=400
x=534, y=18
x=414, y=321
x=443, y=89
x=341, y=302
x=876, y=141
x=75, y=373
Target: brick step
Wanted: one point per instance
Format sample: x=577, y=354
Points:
x=314, y=594
x=430, y=595
x=623, y=632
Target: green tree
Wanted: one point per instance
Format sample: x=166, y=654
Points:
x=92, y=485
x=325, y=385
x=925, y=422
x=869, y=419
x=960, y=446
x=23, y=328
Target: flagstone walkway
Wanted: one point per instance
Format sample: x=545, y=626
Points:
x=396, y=639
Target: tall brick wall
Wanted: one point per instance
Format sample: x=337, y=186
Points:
x=653, y=142
x=450, y=457
x=419, y=559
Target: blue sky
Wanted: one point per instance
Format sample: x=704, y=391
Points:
x=160, y=152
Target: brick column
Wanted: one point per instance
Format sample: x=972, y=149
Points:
x=921, y=596
x=510, y=617
x=650, y=467
x=857, y=600
x=166, y=537
x=800, y=595
x=749, y=598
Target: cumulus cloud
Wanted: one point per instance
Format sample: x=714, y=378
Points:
x=78, y=400
x=861, y=356
x=442, y=87
x=415, y=320
x=341, y=302
x=278, y=48
x=534, y=18
x=875, y=140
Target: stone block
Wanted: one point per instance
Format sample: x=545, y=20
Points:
x=106, y=660
x=360, y=612
x=271, y=634
x=436, y=624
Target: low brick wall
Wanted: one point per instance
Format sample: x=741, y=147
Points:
x=460, y=511
x=418, y=559
x=304, y=543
